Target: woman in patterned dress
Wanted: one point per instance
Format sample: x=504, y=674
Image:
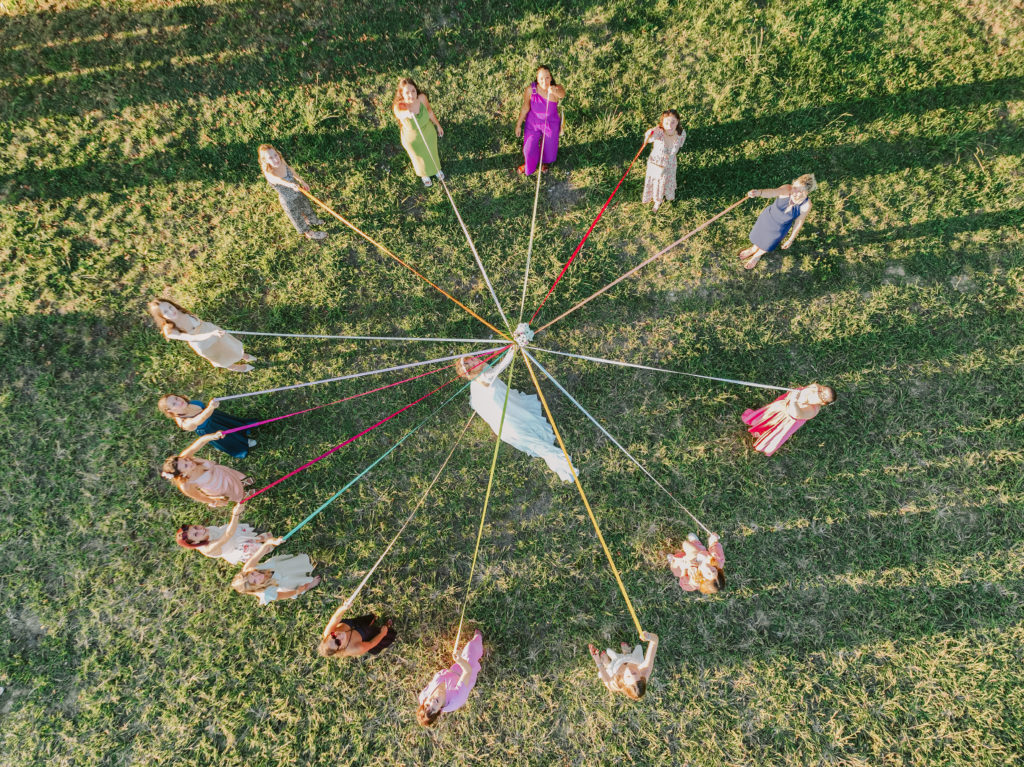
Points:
x=236, y=542
x=287, y=183
x=627, y=671
x=666, y=139
x=420, y=129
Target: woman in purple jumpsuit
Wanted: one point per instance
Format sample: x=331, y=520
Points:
x=543, y=121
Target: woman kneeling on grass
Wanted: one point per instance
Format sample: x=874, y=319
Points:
x=354, y=637
x=626, y=672
x=236, y=543
x=285, y=576
x=202, y=480
x=449, y=689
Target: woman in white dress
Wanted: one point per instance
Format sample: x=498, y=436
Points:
x=213, y=344
x=525, y=427
x=627, y=671
x=236, y=542
x=282, y=577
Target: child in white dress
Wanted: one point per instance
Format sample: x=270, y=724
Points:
x=285, y=576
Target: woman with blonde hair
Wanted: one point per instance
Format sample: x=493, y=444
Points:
x=193, y=415
x=786, y=214
x=420, y=129
x=212, y=343
x=288, y=185
x=202, y=480
x=285, y=576
x=626, y=671
x=779, y=420
x=236, y=543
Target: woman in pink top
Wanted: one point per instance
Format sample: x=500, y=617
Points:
x=449, y=689
x=777, y=421
x=202, y=480
x=698, y=568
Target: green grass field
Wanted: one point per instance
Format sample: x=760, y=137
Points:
x=873, y=614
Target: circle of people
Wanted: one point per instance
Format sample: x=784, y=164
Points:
x=286, y=576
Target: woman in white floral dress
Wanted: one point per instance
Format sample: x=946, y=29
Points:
x=667, y=139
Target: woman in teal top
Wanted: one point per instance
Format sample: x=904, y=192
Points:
x=420, y=130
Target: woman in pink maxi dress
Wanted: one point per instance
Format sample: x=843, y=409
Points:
x=449, y=689
x=777, y=421
x=543, y=121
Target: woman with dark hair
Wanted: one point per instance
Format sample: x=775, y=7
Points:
x=289, y=185
x=786, y=214
x=236, y=543
x=193, y=415
x=667, y=139
x=627, y=671
x=285, y=576
x=420, y=129
x=543, y=121
x=202, y=480
x=779, y=420
x=699, y=568
x=213, y=344
x=449, y=689
x=355, y=636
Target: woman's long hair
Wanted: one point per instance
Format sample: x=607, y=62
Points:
x=153, y=307
x=240, y=584
x=547, y=69
x=183, y=541
x=398, y=91
x=675, y=114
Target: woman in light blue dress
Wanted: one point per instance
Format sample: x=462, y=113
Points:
x=786, y=214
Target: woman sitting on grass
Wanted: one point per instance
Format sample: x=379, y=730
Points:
x=786, y=214
x=285, y=576
x=449, y=689
x=288, y=185
x=236, y=543
x=354, y=637
x=193, y=415
x=202, y=480
x=698, y=568
x=213, y=344
x=626, y=672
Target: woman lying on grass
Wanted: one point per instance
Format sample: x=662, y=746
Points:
x=202, y=480
x=626, y=672
x=285, y=576
x=236, y=543
x=449, y=689
x=194, y=415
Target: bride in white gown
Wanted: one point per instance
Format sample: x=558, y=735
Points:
x=525, y=427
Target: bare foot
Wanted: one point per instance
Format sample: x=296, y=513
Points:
x=317, y=236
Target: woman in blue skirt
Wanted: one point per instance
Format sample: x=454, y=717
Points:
x=786, y=214
x=206, y=419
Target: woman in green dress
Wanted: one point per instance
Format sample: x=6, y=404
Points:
x=420, y=130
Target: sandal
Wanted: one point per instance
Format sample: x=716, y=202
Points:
x=521, y=169
x=751, y=262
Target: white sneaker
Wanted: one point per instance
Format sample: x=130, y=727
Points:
x=440, y=176
x=426, y=181
x=252, y=443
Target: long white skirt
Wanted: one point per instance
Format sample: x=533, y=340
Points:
x=525, y=429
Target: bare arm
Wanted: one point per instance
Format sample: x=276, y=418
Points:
x=524, y=110
x=179, y=335
x=780, y=191
x=214, y=547
x=191, y=422
x=299, y=179
x=466, y=670
x=652, y=650
x=334, y=620
x=557, y=91
x=796, y=228
x=488, y=376
x=261, y=552
x=367, y=646
x=192, y=449
x=430, y=114
x=602, y=672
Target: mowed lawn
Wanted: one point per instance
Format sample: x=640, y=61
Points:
x=873, y=612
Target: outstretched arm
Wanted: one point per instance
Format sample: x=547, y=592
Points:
x=602, y=672
x=214, y=547
x=261, y=552
x=488, y=376
x=780, y=191
x=466, y=669
x=190, y=423
x=652, y=650
x=206, y=439
x=334, y=620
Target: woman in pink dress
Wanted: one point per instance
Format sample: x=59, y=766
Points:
x=776, y=422
x=698, y=568
x=202, y=480
x=543, y=121
x=449, y=689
